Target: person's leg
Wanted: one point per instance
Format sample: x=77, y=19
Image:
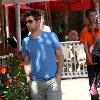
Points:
x=98, y=79
x=94, y=97
x=91, y=74
x=38, y=90
x=54, y=90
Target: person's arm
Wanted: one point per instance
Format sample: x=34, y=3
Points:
x=26, y=59
x=87, y=54
x=60, y=61
x=59, y=55
x=27, y=68
x=84, y=40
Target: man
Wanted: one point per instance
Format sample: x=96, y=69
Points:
x=43, y=60
x=88, y=37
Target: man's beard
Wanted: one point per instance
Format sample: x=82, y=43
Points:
x=32, y=30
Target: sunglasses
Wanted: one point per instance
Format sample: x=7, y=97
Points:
x=28, y=21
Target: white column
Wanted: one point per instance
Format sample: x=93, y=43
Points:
x=18, y=27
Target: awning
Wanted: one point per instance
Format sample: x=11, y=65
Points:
x=4, y=2
x=65, y=5
x=56, y=5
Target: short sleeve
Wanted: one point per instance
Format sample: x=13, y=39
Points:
x=83, y=37
x=24, y=49
x=55, y=41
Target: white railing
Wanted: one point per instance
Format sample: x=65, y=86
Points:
x=74, y=59
x=3, y=59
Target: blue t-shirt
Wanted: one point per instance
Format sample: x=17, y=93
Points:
x=42, y=56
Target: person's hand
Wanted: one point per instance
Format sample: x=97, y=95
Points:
x=28, y=79
x=59, y=76
x=89, y=60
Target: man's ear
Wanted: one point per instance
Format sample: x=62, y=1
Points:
x=39, y=22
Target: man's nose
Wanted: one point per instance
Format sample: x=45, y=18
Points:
x=27, y=24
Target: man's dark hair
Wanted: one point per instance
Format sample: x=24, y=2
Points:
x=88, y=11
x=35, y=13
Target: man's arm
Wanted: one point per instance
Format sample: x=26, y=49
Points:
x=27, y=68
x=87, y=54
x=60, y=61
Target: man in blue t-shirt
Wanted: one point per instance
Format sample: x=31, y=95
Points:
x=43, y=60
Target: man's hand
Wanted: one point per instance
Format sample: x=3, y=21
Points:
x=28, y=79
x=89, y=60
x=59, y=76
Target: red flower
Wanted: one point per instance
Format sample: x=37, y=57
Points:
x=2, y=70
x=19, y=53
x=1, y=97
x=17, y=85
x=8, y=70
x=8, y=82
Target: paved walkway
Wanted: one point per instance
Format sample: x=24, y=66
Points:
x=75, y=89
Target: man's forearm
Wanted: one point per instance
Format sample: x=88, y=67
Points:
x=27, y=69
x=60, y=66
x=86, y=50
x=28, y=72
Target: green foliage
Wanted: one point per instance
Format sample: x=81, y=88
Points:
x=13, y=82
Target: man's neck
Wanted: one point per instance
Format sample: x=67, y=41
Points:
x=92, y=25
x=36, y=35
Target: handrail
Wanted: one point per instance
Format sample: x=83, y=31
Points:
x=74, y=59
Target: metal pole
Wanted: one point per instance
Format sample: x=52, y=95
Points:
x=18, y=27
x=97, y=9
x=7, y=22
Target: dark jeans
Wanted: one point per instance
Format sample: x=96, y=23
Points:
x=93, y=71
